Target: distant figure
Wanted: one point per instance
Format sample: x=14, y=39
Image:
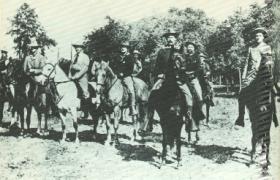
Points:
x=137, y=68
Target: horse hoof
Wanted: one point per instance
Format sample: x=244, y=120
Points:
x=179, y=164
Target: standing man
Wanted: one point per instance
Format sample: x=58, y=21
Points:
x=250, y=72
x=123, y=67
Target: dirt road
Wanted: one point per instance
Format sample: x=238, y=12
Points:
x=222, y=153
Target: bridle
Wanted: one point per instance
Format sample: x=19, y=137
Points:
x=110, y=87
x=52, y=71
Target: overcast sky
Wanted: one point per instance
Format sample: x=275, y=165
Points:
x=68, y=21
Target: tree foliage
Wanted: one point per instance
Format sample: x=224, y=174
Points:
x=24, y=26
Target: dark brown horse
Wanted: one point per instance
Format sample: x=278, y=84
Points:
x=13, y=91
x=168, y=103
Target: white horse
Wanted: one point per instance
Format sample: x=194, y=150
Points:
x=65, y=96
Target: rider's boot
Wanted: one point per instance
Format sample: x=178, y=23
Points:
x=132, y=103
x=240, y=119
x=190, y=124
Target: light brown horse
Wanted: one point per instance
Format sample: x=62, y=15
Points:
x=114, y=97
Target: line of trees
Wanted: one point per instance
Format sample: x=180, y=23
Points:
x=225, y=43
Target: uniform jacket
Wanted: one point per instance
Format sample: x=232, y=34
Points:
x=2, y=65
x=35, y=63
x=253, y=61
x=161, y=66
x=123, y=66
x=79, y=67
x=188, y=67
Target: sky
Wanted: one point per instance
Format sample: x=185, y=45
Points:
x=68, y=21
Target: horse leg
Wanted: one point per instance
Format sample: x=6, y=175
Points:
x=135, y=127
x=21, y=116
x=116, y=119
x=75, y=124
x=197, y=136
x=1, y=111
x=108, y=127
x=207, y=113
x=178, y=146
x=253, y=151
x=164, y=147
x=63, y=126
x=28, y=116
x=95, y=118
x=39, y=130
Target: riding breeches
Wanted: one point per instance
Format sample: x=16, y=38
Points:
x=128, y=82
x=192, y=91
x=83, y=83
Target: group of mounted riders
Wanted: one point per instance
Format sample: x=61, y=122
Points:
x=178, y=64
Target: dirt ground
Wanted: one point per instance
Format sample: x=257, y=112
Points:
x=222, y=153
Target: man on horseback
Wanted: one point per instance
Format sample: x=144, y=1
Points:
x=79, y=71
x=123, y=67
x=189, y=67
x=137, y=68
x=32, y=67
x=4, y=61
x=251, y=72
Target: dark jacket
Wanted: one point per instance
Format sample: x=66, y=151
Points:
x=123, y=67
x=2, y=65
x=162, y=64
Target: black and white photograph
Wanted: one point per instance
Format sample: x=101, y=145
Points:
x=139, y=90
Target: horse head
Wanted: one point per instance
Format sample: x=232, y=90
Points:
x=103, y=74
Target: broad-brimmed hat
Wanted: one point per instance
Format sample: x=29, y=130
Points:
x=191, y=43
x=125, y=44
x=34, y=44
x=260, y=30
x=136, y=52
x=78, y=45
x=170, y=32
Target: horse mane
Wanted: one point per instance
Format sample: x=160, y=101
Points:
x=104, y=65
x=64, y=64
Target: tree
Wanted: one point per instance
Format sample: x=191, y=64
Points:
x=106, y=40
x=25, y=25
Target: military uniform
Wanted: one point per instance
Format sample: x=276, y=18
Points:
x=32, y=67
x=124, y=69
x=187, y=70
x=78, y=72
x=162, y=67
x=250, y=78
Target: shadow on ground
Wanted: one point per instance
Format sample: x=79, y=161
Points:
x=136, y=152
x=221, y=154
